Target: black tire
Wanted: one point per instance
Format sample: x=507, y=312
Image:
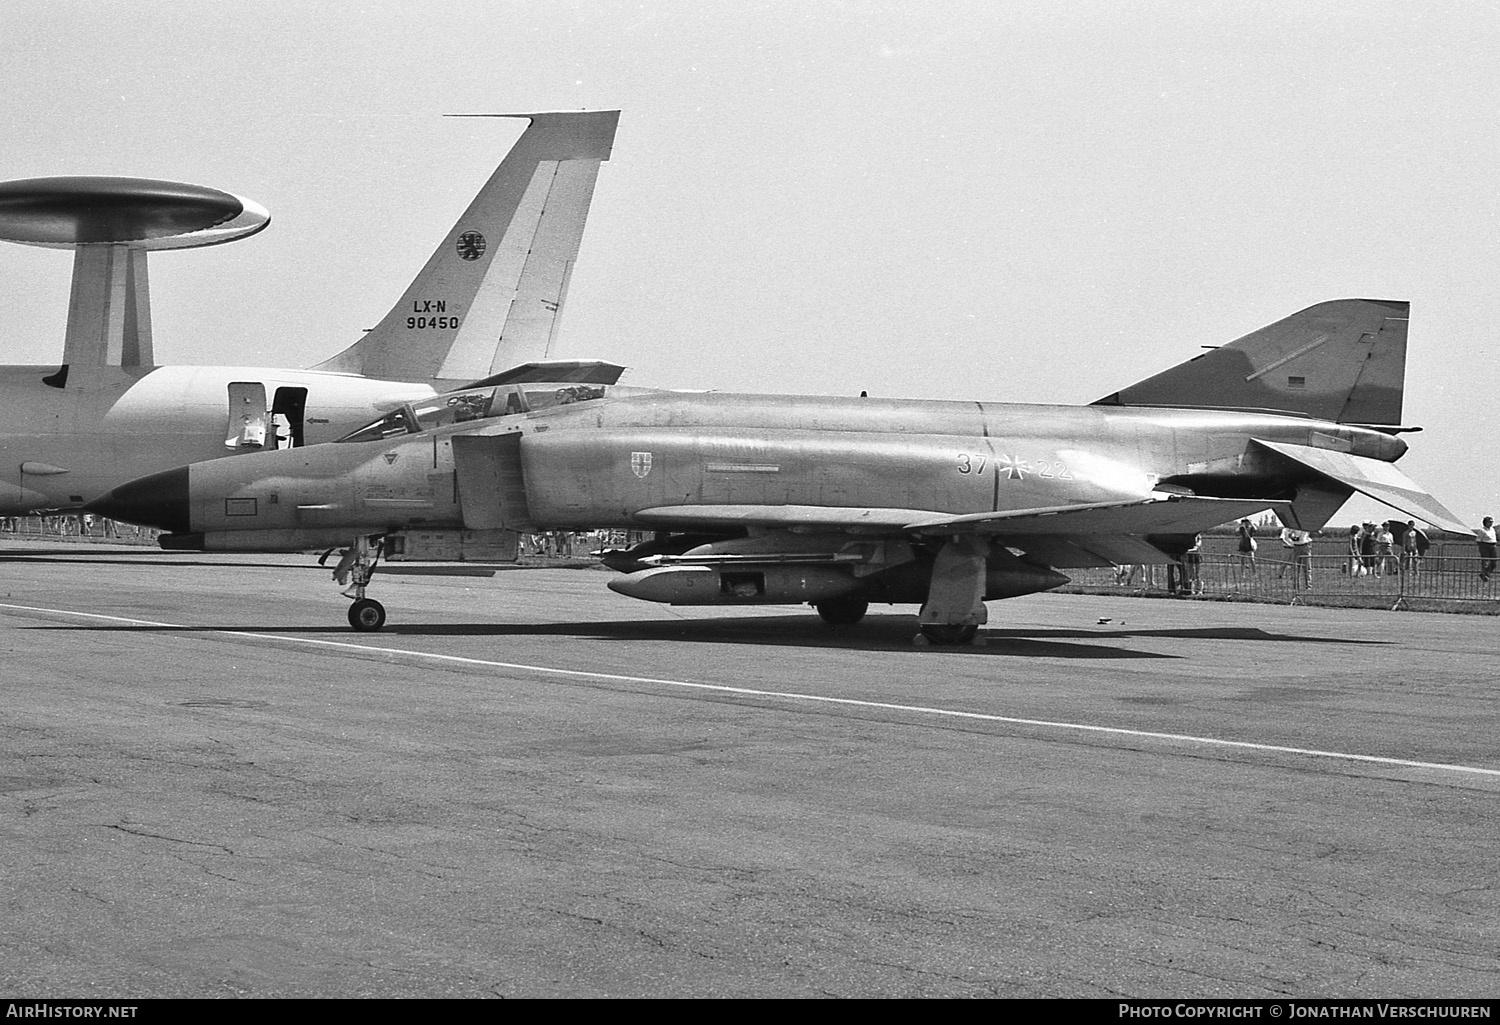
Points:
x=949, y=633
x=367, y=615
x=842, y=611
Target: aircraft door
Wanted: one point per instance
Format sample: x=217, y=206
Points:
x=287, y=414
x=249, y=417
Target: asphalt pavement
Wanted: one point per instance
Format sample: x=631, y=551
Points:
x=527, y=785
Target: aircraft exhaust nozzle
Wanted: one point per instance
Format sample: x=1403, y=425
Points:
x=160, y=500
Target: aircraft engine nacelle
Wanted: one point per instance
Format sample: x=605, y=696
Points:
x=750, y=585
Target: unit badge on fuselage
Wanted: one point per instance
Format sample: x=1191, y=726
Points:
x=640, y=463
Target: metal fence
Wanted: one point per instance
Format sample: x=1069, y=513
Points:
x=72, y=525
x=1372, y=581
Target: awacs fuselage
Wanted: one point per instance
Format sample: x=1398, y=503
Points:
x=724, y=464
x=486, y=301
x=63, y=447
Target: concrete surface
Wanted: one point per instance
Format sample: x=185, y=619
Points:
x=529, y=786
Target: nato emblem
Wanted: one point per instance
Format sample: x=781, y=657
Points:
x=470, y=245
x=640, y=463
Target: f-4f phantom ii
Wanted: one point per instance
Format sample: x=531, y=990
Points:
x=488, y=299
x=840, y=502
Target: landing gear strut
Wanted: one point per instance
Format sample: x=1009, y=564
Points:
x=355, y=567
x=954, y=610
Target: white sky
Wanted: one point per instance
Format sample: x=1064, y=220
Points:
x=1007, y=201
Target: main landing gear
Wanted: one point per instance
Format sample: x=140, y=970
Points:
x=954, y=610
x=357, y=564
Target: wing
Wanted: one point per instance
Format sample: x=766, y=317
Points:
x=1097, y=534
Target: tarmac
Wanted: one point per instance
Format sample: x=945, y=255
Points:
x=528, y=786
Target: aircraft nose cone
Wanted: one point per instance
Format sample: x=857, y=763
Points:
x=160, y=500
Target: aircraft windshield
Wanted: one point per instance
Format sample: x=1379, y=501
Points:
x=473, y=404
x=399, y=421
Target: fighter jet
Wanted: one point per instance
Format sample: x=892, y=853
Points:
x=841, y=502
x=490, y=297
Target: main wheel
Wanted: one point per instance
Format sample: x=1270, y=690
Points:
x=367, y=615
x=842, y=611
x=949, y=633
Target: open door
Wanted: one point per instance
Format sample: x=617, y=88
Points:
x=287, y=414
x=249, y=417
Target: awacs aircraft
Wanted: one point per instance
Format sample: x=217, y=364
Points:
x=839, y=502
x=488, y=299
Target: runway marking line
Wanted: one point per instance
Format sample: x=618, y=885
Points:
x=950, y=713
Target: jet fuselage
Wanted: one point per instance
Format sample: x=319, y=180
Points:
x=691, y=461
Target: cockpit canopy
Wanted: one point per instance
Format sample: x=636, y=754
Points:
x=473, y=404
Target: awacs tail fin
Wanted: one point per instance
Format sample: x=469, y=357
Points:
x=1343, y=360
x=491, y=296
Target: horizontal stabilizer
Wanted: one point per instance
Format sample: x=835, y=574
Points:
x=1373, y=478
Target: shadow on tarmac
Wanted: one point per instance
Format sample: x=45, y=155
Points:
x=876, y=633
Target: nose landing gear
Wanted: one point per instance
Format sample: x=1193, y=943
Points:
x=355, y=567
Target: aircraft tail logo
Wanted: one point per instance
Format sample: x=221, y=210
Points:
x=1343, y=360
x=470, y=245
x=491, y=295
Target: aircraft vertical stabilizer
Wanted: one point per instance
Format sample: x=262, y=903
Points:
x=491, y=295
x=1343, y=360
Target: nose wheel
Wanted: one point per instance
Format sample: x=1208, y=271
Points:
x=355, y=567
x=366, y=615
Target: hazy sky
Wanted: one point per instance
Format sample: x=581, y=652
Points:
x=1005, y=201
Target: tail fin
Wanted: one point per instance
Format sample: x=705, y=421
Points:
x=492, y=294
x=1343, y=360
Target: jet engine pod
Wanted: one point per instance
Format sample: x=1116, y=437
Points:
x=142, y=213
x=742, y=585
